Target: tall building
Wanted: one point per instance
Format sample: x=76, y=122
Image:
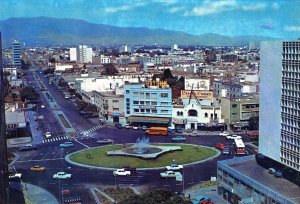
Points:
x=16, y=54
x=279, y=102
x=73, y=54
x=84, y=54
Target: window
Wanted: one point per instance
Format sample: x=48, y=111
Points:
x=164, y=95
x=164, y=103
x=115, y=109
x=142, y=110
x=115, y=101
x=127, y=91
x=147, y=110
x=192, y=113
x=234, y=105
x=136, y=110
x=154, y=111
x=135, y=93
x=205, y=115
x=154, y=96
x=135, y=102
x=148, y=103
x=142, y=102
x=147, y=95
x=154, y=103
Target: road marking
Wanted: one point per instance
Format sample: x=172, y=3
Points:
x=82, y=144
x=166, y=185
x=40, y=160
x=44, y=156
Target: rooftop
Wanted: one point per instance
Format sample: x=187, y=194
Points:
x=247, y=167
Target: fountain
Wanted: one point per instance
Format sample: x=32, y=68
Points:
x=143, y=149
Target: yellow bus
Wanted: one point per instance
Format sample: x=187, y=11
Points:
x=157, y=131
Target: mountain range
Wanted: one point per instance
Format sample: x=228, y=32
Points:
x=63, y=31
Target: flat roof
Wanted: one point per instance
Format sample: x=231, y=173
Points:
x=14, y=117
x=249, y=168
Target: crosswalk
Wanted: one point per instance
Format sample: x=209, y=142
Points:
x=54, y=139
x=93, y=129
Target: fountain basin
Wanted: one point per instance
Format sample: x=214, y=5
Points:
x=153, y=151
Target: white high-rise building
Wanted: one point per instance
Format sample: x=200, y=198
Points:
x=174, y=47
x=279, y=115
x=73, y=54
x=16, y=47
x=84, y=54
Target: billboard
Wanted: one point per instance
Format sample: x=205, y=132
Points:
x=197, y=84
x=185, y=94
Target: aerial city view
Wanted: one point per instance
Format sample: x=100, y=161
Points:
x=150, y=102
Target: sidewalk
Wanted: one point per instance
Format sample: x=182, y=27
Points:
x=35, y=195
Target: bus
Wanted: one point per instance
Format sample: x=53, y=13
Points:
x=239, y=147
x=157, y=131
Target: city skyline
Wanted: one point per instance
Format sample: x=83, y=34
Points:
x=265, y=18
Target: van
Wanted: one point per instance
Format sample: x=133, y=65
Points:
x=272, y=171
x=157, y=131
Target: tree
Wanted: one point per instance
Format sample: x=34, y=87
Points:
x=109, y=69
x=254, y=123
x=29, y=93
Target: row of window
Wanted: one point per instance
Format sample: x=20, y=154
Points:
x=153, y=103
x=290, y=163
x=148, y=95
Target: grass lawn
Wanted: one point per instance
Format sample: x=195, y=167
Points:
x=99, y=158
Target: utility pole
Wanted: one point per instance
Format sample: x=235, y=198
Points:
x=3, y=145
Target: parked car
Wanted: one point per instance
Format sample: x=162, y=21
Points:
x=171, y=130
x=169, y=174
x=43, y=106
x=179, y=130
x=272, y=170
x=131, y=169
x=27, y=148
x=278, y=174
x=226, y=151
x=66, y=144
x=178, y=138
x=105, y=141
x=174, y=167
x=128, y=126
x=14, y=175
x=232, y=137
x=121, y=172
x=220, y=146
x=118, y=125
x=62, y=175
x=37, y=168
x=48, y=134
x=224, y=134
x=135, y=127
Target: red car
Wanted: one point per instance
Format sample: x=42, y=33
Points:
x=220, y=146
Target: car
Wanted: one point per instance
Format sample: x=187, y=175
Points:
x=128, y=168
x=105, y=141
x=27, y=148
x=171, y=130
x=169, y=174
x=232, y=137
x=62, y=175
x=226, y=151
x=135, y=127
x=278, y=174
x=224, y=134
x=179, y=130
x=174, y=167
x=128, y=126
x=145, y=127
x=43, y=106
x=178, y=138
x=272, y=170
x=118, y=125
x=121, y=172
x=195, y=132
x=220, y=146
x=14, y=175
x=48, y=134
x=66, y=144
x=37, y=168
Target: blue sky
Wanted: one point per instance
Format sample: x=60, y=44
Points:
x=274, y=18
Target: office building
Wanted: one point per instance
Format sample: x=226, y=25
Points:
x=84, y=54
x=279, y=102
x=73, y=54
x=16, y=47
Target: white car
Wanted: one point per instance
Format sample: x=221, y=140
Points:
x=225, y=134
x=174, y=167
x=121, y=172
x=48, y=134
x=62, y=175
x=13, y=175
x=127, y=126
x=43, y=106
x=135, y=127
x=169, y=174
x=233, y=137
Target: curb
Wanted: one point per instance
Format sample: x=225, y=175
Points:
x=67, y=159
x=17, y=156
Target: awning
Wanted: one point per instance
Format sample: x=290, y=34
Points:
x=141, y=119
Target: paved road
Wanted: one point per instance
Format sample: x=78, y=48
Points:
x=50, y=155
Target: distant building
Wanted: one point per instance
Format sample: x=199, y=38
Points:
x=174, y=47
x=148, y=105
x=16, y=47
x=104, y=59
x=84, y=54
x=73, y=54
x=227, y=89
x=196, y=84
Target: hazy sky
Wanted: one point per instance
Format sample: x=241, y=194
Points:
x=275, y=18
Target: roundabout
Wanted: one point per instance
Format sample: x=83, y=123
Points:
x=97, y=157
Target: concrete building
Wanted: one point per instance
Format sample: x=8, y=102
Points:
x=73, y=54
x=16, y=47
x=105, y=59
x=196, y=84
x=148, y=105
x=110, y=106
x=227, y=89
x=280, y=110
x=84, y=54
x=236, y=110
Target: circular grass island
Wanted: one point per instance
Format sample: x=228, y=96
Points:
x=97, y=157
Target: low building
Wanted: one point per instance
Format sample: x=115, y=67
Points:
x=227, y=89
x=239, y=110
x=242, y=180
x=148, y=105
x=110, y=106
